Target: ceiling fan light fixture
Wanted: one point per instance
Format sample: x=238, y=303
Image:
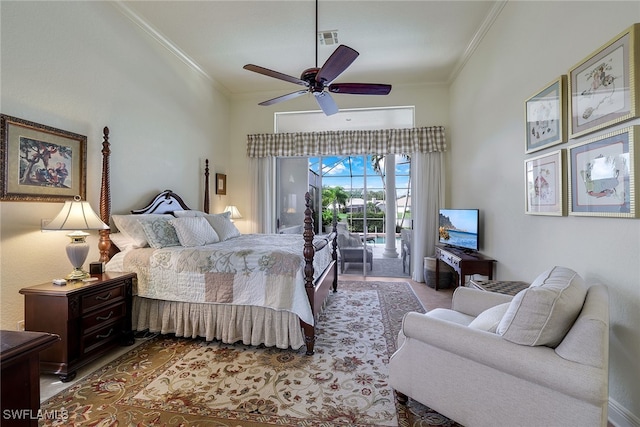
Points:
x=328, y=38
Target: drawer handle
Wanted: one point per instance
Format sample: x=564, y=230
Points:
x=105, y=317
x=104, y=298
x=107, y=335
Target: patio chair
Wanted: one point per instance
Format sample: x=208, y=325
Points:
x=352, y=248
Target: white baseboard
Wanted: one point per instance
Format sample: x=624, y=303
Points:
x=619, y=416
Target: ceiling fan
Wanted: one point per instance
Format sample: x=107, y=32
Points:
x=319, y=81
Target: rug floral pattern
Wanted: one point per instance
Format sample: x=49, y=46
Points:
x=186, y=382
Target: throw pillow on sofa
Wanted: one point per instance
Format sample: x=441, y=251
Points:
x=543, y=313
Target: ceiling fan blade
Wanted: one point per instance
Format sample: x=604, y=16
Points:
x=326, y=102
x=339, y=61
x=360, y=88
x=275, y=74
x=284, y=97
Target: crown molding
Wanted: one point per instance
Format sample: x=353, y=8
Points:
x=164, y=41
x=477, y=38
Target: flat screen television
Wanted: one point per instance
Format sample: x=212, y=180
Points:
x=459, y=228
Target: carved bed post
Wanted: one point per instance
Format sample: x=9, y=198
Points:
x=206, y=186
x=308, y=252
x=104, y=244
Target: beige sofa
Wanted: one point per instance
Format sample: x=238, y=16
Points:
x=465, y=364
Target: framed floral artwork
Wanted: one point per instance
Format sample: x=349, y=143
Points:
x=40, y=163
x=602, y=175
x=546, y=116
x=604, y=87
x=544, y=178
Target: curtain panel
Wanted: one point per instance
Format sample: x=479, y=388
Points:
x=350, y=142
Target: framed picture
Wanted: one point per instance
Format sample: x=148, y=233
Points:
x=544, y=178
x=41, y=163
x=546, y=116
x=602, y=175
x=603, y=87
x=221, y=184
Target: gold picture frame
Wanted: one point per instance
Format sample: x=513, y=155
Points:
x=41, y=163
x=546, y=116
x=603, y=87
x=545, y=184
x=221, y=184
x=602, y=175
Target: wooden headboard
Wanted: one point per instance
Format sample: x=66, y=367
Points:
x=165, y=202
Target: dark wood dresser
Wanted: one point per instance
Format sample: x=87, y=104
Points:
x=19, y=356
x=90, y=318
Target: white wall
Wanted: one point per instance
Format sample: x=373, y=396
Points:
x=80, y=66
x=531, y=44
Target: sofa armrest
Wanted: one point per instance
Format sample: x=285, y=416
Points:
x=540, y=365
x=474, y=301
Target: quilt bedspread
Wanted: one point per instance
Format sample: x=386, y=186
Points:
x=251, y=269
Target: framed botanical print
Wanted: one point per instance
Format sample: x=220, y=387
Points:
x=603, y=88
x=40, y=163
x=546, y=116
x=544, y=184
x=602, y=175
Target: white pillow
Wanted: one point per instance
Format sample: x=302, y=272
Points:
x=194, y=231
x=543, y=313
x=489, y=319
x=222, y=224
x=160, y=233
x=122, y=241
x=130, y=226
x=188, y=213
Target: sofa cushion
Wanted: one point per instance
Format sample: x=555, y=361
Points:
x=450, y=316
x=543, y=313
x=489, y=319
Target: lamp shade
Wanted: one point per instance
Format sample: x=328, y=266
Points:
x=235, y=213
x=76, y=215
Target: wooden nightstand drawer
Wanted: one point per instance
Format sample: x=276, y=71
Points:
x=88, y=302
x=90, y=318
x=105, y=316
x=101, y=337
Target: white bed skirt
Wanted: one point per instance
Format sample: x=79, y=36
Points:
x=224, y=322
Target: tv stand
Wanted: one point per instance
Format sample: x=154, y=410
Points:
x=463, y=263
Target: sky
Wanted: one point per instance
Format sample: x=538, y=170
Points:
x=349, y=172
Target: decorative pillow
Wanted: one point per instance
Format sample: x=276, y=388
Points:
x=159, y=231
x=489, y=319
x=122, y=241
x=222, y=224
x=188, y=213
x=543, y=313
x=130, y=226
x=194, y=231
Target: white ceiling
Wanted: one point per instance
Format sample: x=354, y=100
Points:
x=400, y=42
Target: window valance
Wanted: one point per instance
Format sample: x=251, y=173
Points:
x=349, y=142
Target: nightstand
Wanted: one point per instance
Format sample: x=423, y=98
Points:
x=90, y=318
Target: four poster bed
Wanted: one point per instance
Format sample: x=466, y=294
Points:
x=254, y=288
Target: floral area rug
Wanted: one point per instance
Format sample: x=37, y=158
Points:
x=170, y=381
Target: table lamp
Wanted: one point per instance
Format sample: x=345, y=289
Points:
x=235, y=213
x=77, y=215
